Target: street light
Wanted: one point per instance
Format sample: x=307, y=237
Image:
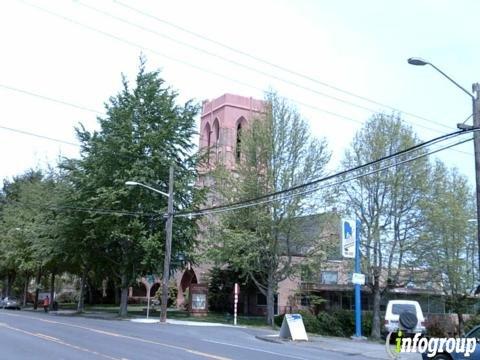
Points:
x=476, y=135
x=168, y=245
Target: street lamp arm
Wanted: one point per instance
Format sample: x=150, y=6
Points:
x=420, y=62
x=134, y=183
x=453, y=81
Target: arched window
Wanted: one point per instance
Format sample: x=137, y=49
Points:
x=206, y=140
x=216, y=132
x=238, y=149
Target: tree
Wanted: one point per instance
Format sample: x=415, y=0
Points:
x=143, y=133
x=447, y=239
x=30, y=242
x=276, y=153
x=387, y=202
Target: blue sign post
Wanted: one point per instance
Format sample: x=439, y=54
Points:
x=358, y=297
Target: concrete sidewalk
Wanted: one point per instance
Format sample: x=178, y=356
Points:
x=371, y=349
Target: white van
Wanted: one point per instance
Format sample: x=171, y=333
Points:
x=405, y=315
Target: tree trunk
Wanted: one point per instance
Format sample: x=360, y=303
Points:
x=245, y=303
x=376, y=323
x=90, y=293
x=81, y=298
x=116, y=293
x=10, y=280
x=25, y=290
x=4, y=286
x=461, y=329
x=37, y=287
x=52, y=290
x=270, y=302
x=124, y=297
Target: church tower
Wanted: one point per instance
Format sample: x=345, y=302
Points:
x=221, y=125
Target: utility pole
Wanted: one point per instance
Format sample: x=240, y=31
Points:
x=476, y=147
x=168, y=248
x=475, y=96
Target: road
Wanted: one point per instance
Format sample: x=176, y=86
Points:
x=35, y=335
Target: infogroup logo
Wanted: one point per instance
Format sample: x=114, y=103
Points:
x=429, y=346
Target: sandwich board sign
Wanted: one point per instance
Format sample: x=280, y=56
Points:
x=348, y=238
x=293, y=328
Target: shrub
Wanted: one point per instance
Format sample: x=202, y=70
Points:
x=311, y=323
x=278, y=320
x=172, y=294
x=67, y=297
x=367, y=319
x=472, y=322
x=435, y=329
x=329, y=324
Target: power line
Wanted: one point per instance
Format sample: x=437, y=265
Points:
x=202, y=69
x=253, y=69
x=315, y=189
x=343, y=172
x=23, y=132
x=271, y=64
x=134, y=44
x=272, y=196
x=44, y=97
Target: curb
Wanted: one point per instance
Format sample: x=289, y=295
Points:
x=270, y=338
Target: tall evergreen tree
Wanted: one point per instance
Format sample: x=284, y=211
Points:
x=143, y=133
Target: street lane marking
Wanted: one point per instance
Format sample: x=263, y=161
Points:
x=254, y=349
x=189, y=350
x=105, y=332
x=47, y=337
x=58, y=341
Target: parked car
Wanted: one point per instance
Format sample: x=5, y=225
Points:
x=405, y=315
x=474, y=333
x=10, y=302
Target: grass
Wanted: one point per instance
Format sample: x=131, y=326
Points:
x=138, y=310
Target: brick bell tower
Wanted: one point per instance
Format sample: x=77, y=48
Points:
x=221, y=125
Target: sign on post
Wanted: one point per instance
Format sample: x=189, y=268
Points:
x=292, y=327
x=348, y=238
x=358, y=279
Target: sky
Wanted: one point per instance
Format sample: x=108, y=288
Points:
x=61, y=61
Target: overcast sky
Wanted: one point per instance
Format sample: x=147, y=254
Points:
x=75, y=51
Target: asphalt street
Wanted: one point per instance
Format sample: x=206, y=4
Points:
x=36, y=335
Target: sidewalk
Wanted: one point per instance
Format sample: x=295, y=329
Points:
x=371, y=349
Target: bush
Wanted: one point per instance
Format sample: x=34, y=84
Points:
x=311, y=323
x=435, y=329
x=68, y=297
x=172, y=294
x=338, y=323
x=367, y=320
x=278, y=320
x=329, y=325
x=471, y=323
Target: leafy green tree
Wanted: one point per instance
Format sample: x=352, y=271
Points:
x=143, y=133
x=30, y=242
x=447, y=239
x=387, y=201
x=260, y=242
